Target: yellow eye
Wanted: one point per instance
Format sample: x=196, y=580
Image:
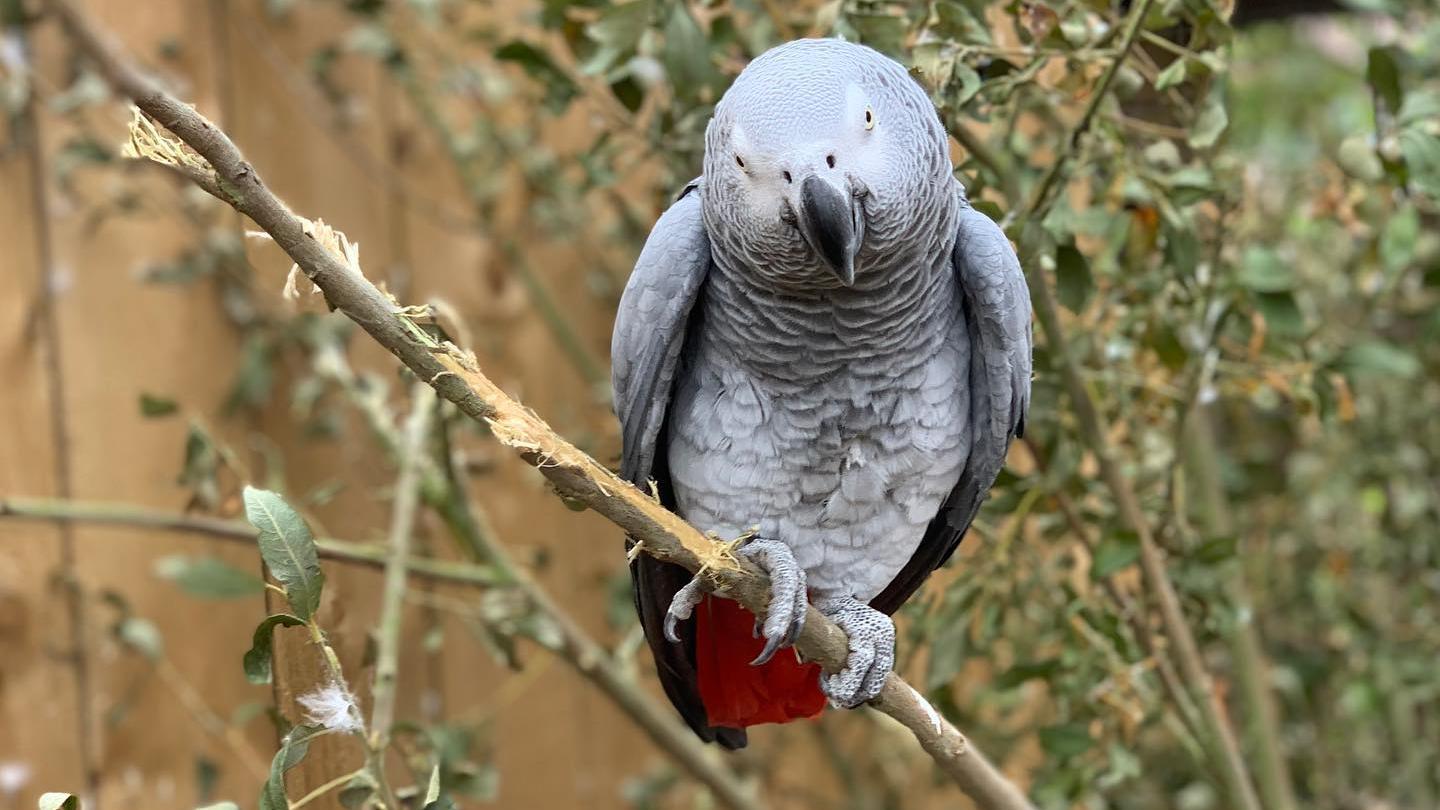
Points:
x=869, y=118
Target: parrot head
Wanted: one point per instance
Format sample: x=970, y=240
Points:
x=823, y=159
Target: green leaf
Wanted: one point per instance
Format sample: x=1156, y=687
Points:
x=432, y=792
x=687, y=53
x=1020, y=673
x=1073, y=281
x=292, y=751
x=1211, y=122
x=152, y=406
x=202, y=465
x=208, y=577
x=1421, y=151
x=207, y=774
x=1067, y=740
x=1400, y=238
x=1172, y=75
x=1217, y=549
x=1357, y=157
x=1165, y=342
x=1421, y=104
x=1383, y=75
x=288, y=548
x=947, y=654
x=373, y=40
x=559, y=89
x=1281, y=313
x=885, y=32
x=59, y=801
x=434, y=799
x=257, y=658
x=1380, y=357
x=1114, y=553
x=1262, y=270
x=617, y=32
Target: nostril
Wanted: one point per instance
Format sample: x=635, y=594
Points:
x=786, y=175
x=830, y=161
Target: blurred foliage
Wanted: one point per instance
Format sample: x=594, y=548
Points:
x=1247, y=251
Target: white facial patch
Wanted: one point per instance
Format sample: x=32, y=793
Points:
x=740, y=142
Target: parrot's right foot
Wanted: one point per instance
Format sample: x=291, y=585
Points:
x=872, y=652
x=785, y=616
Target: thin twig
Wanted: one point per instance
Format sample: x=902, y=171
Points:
x=323, y=789
x=474, y=183
x=1252, y=669
x=1040, y=201
x=392, y=598
x=1231, y=764
x=1137, y=619
x=985, y=157
x=122, y=515
x=456, y=377
x=47, y=319
x=209, y=721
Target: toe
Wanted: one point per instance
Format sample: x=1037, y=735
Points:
x=846, y=687
x=785, y=615
x=772, y=646
x=871, y=637
x=681, y=607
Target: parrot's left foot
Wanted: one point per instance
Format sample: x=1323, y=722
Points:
x=785, y=617
x=872, y=652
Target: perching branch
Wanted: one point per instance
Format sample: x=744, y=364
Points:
x=1230, y=762
x=456, y=377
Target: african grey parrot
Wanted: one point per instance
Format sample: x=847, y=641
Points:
x=821, y=339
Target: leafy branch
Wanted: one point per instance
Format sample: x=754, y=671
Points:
x=1221, y=735
x=456, y=377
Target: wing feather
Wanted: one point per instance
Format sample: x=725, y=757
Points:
x=995, y=304
x=647, y=353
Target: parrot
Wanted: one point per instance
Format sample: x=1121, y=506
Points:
x=824, y=349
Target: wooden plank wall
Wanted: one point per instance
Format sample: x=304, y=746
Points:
x=71, y=375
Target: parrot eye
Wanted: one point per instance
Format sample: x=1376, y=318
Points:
x=869, y=118
x=739, y=161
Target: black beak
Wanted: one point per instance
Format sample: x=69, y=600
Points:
x=831, y=223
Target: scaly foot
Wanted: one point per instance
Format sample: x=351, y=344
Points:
x=872, y=652
x=785, y=616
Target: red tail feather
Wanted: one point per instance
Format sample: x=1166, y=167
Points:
x=736, y=694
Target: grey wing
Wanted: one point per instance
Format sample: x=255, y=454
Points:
x=650, y=328
x=647, y=354
x=995, y=304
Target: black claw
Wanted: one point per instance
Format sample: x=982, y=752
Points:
x=794, y=632
x=771, y=647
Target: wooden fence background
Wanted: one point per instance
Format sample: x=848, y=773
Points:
x=71, y=375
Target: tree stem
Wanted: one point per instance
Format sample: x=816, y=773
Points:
x=123, y=515
x=392, y=597
x=1230, y=763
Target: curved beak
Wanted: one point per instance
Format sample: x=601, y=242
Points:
x=831, y=222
